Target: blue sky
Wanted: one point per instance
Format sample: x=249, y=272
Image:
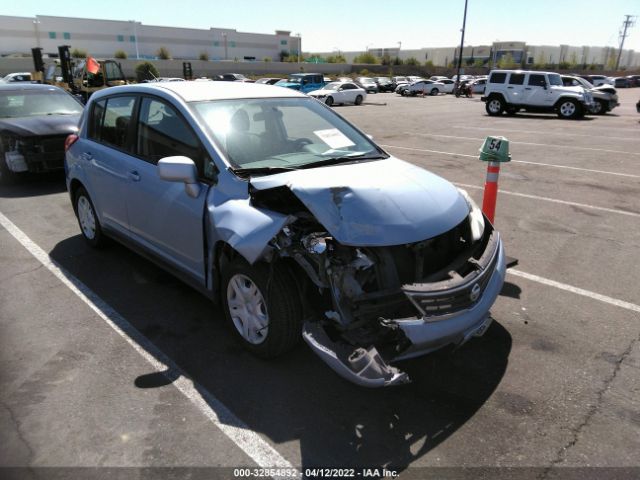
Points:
x=326, y=25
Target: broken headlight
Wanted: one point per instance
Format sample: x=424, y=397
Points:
x=476, y=218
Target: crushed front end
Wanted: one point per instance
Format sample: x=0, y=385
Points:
x=379, y=304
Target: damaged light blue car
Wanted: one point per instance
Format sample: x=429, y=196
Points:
x=269, y=202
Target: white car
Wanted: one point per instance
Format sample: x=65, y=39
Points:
x=424, y=87
x=478, y=85
x=16, y=77
x=340, y=93
x=448, y=84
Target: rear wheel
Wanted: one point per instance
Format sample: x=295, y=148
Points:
x=329, y=101
x=88, y=220
x=569, y=109
x=358, y=100
x=434, y=91
x=262, y=305
x=495, y=106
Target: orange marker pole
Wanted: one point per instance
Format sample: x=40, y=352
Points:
x=491, y=190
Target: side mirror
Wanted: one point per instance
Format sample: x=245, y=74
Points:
x=180, y=169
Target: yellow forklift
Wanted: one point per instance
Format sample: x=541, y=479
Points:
x=82, y=77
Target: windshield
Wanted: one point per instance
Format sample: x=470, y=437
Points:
x=554, y=79
x=585, y=83
x=282, y=133
x=294, y=79
x=332, y=86
x=25, y=103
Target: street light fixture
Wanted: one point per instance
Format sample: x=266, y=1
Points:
x=135, y=38
x=464, y=23
x=226, y=55
x=299, y=45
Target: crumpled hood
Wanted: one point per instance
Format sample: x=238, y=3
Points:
x=40, y=126
x=376, y=203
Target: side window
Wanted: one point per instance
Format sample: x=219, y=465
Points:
x=516, y=79
x=318, y=79
x=498, y=77
x=115, y=129
x=162, y=132
x=537, y=80
x=95, y=120
x=112, y=71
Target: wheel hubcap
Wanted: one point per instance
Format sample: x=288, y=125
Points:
x=248, y=309
x=87, y=218
x=494, y=106
x=567, y=109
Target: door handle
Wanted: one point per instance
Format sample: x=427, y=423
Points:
x=134, y=175
x=86, y=156
x=528, y=88
x=510, y=87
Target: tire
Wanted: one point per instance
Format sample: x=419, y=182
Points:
x=329, y=101
x=495, y=106
x=358, y=100
x=569, y=109
x=266, y=296
x=405, y=93
x=434, y=91
x=87, y=219
x=599, y=107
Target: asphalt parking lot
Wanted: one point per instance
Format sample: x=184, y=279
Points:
x=132, y=368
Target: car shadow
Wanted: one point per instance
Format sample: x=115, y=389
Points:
x=34, y=185
x=542, y=116
x=295, y=397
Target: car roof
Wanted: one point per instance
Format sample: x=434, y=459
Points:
x=201, y=91
x=28, y=86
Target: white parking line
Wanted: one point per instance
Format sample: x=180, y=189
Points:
x=555, y=200
x=234, y=428
x=630, y=175
x=578, y=291
x=563, y=133
x=526, y=143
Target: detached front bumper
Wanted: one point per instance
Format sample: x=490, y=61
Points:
x=452, y=313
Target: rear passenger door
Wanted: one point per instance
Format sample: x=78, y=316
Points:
x=162, y=217
x=106, y=155
x=516, y=88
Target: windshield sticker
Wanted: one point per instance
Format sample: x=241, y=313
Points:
x=334, y=138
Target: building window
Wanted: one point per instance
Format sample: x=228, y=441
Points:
x=283, y=42
x=132, y=38
x=232, y=44
x=66, y=35
x=121, y=38
x=52, y=34
x=216, y=43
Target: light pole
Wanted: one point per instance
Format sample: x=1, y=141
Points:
x=464, y=23
x=224, y=36
x=36, y=22
x=135, y=38
x=299, y=45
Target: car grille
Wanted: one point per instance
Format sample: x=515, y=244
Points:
x=45, y=153
x=458, y=293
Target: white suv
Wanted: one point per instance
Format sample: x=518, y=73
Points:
x=511, y=90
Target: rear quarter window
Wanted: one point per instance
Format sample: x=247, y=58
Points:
x=497, y=77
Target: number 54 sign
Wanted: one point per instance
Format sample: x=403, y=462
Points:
x=495, y=149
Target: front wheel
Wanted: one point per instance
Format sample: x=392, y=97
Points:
x=598, y=108
x=569, y=109
x=495, y=106
x=262, y=304
x=358, y=100
x=434, y=91
x=329, y=101
x=88, y=220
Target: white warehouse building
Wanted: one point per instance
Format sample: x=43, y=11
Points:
x=102, y=38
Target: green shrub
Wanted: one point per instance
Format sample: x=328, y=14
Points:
x=203, y=56
x=146, y=71
x=366, y=58
x=78, y=53
x=163, y=53
x=120, y=54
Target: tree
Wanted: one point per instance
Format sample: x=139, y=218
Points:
x=284, y=55
x=120, y=54
x=365, y=58
x=163, y=53
x=397, y=61
x=506, y=61
x=266, y=59
x=78, y=53
x=413, y=61
x=203, y=56
x=338, y=58
x=146, y=71
x=429, y=64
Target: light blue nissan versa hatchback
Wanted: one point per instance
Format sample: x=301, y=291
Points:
x=268, y=201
